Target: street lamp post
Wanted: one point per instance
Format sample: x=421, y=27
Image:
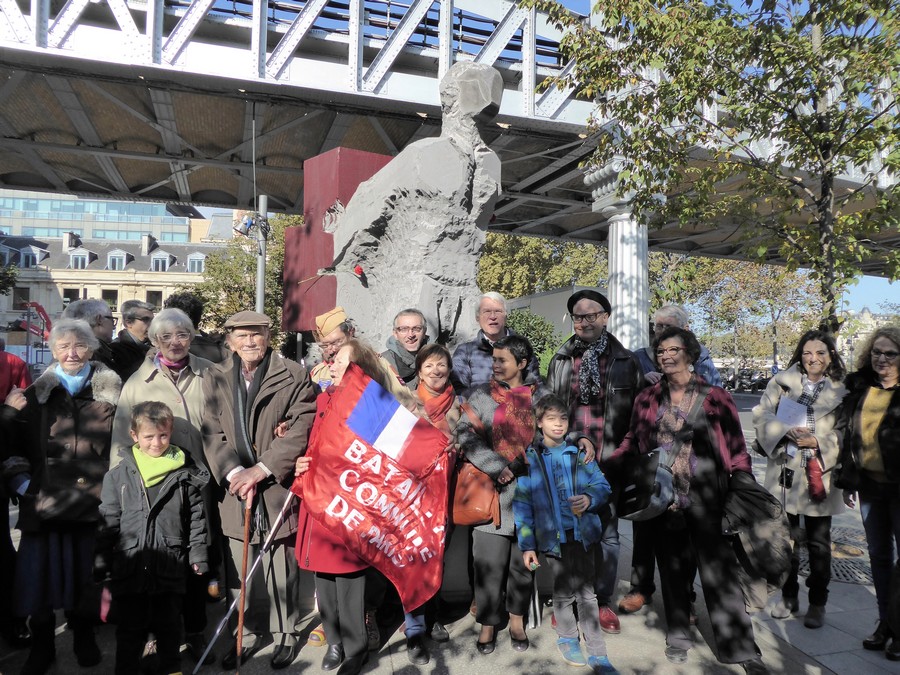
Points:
x=257, y=225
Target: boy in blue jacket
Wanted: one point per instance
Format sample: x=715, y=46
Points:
x=555, y=508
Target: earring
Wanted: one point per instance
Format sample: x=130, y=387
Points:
x=691, y=368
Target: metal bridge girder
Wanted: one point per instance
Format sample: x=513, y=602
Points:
x=553, y=98
x=395, y=44
x=295, y=33
x=185, y=29
x=511, y=22
x=126, y=23
x=15, y=28
x=65, y=22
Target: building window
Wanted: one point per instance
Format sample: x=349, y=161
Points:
x=159, y=264
x=28, y=259
x=154, y=298
x=197, y=265
x=115, y=262
x=21, y=295
x=112, y=299
x=78, y=262
x=70, y=295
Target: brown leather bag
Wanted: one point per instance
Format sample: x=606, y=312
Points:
x=475, y=499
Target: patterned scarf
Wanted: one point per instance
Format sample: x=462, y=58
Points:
x=810, y=456
x=437, y=405
x=513, y=420
x=590, y=381
x=670, y=420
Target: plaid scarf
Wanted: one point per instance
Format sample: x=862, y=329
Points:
x=590, y=380
x=810, y=456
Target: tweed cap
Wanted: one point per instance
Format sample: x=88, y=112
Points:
x=247, y=318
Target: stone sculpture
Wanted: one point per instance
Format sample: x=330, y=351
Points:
x=412, y=234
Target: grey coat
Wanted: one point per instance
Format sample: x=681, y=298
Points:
x=770, y=432
x=479, y=451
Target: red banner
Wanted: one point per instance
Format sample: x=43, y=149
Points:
x=378, y=480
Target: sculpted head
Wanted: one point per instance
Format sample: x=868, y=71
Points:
x=472, y=90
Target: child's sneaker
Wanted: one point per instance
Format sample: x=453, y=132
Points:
x=570, y=648
x=601, y=664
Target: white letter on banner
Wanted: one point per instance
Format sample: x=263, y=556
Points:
x=373, y=464
x=355, y=452
x=332, y=509
x=364, y=499
x=354, y=519
x=343, y=479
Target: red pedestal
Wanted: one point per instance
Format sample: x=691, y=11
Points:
x=328, y=177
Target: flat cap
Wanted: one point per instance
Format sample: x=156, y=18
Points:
x=247, y=318
x=589, y=294
x=327, y=322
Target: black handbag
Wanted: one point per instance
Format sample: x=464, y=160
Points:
x=647, y=480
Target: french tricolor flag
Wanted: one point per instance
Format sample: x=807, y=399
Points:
x=378, y=419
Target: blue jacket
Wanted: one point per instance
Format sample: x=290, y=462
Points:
x=537, y=523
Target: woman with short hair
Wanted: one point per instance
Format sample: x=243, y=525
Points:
x=505, y=408
x=62, y=432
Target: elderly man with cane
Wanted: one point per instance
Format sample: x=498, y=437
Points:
x=259, y=410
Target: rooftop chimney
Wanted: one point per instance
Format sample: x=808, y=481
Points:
x=148, y=243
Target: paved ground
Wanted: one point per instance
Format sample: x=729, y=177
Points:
x=787, y=646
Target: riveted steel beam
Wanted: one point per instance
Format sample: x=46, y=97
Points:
x=295, y=33
x=386, y=56
x=186, y=27
x=65, y=22
x=511, y=22
x=15, y=28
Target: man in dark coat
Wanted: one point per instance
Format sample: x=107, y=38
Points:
x=259, y=411
x=132, y=345
x=409, y=336
x=599, y=379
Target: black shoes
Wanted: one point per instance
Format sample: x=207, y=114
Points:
x=487, y=647
x=196, y=644
x=519, y=645
x=755, y=667
x=439, y=633
x=334, y=656
x=249, y=646
x=285, y=653
x=416, y=651
x=87, y=653
x=676, y=655
x=354, y=664
x=878, y=640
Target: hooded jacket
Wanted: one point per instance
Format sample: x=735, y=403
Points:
x=144, y=544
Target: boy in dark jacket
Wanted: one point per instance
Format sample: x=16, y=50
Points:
x=555, y=508
x=153, y=527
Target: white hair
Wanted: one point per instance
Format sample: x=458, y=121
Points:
x=493, y=296
x=170, y=318
x=674, y=312
x=80, y=328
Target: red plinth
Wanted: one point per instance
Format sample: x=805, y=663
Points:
x=328, y=177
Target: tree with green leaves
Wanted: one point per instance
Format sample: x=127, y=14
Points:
x=779, y=115
x=8, y=276
x=229, y=281
x=515, y=265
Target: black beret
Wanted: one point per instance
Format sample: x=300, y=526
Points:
x=588, y=294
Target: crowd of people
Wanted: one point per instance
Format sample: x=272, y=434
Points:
x=152, y=463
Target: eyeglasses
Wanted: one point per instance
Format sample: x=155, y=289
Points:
x=889, y=355
x=659, y=327
x=669, y=351
x=415, y=330
x=65, y=347
x=111, y=318
x=492, y=312
x=168, y=338
x=333, y=344
x=586, y=318
x=145, y=319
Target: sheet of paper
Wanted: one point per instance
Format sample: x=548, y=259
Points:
x=793, y=415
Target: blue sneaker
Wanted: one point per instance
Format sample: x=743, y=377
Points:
x=601, y=664
x=570, y=648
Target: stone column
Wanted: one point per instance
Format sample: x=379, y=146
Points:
x=629, y=286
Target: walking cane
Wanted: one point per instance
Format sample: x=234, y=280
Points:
x=248, y=514
x=263, y=549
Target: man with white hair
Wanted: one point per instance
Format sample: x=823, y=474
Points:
x=472, y=361
x=675, y=315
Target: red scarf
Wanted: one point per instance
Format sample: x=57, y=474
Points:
x=437, y=405
x=514, y=420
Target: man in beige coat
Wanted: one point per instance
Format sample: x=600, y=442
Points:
x=248, y=398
